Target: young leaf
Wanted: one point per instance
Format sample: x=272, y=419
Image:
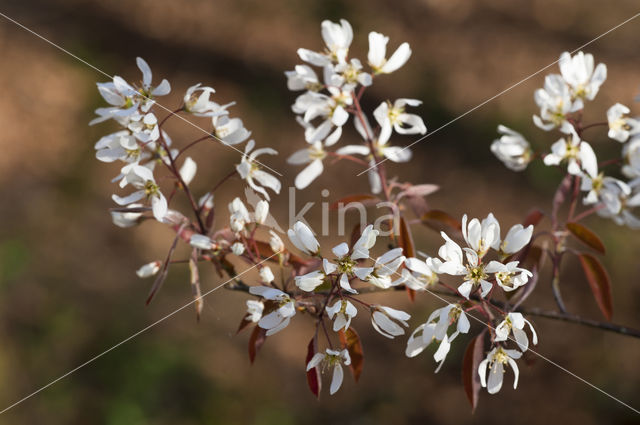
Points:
x=351, y=341
x=362, y=199
x=599, y=282
x=470, y=379
x=313, y=375
x=586, y=236
x=440, y=220
x=533, y=217
x=258, y=337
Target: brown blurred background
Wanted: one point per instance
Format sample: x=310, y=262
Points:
x=67, y=284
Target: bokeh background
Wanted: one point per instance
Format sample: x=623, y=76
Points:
x=67, y=284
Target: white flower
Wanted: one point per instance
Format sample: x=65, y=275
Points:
x=302, y=238
x=512, y=149
x=126, y=219
x=239, y=215
x=394, y=117
x=145, y=127
x=621, y=127
x=435, y=329
x=555, y=104
x=496, y=360
x=201, y=242
x=631, y=156
x=230, y=130
x=597, y=184
x=509, y=276
x=388, y=321
x=149, y=269
x=346, y=264
x=385, y=267
x=620, y=200
x=579, y=74
x=331, y=109
x=266, y=275
x=237, y=248
x=349, y=74
x=517, y=238
x=378, y=51
x=578, y=154
x=279, y=318
x=480, y=237
x=249, y=170
x=303, y=77
x=121, y=146
x=142, y=179
x=337, y=38
x=313, y=155
x=206, y=201
x=310, y=281
x=275, y=242
x=147, y=89
x=343, y=311
x=188, y=170
x=199, y=103
x=254, y=311
x=514, y=323
x=335, y=359
x=420, y=275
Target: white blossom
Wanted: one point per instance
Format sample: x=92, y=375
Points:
x=579, y=73
x=621, y=127
x=385, y=266
x=389, y=322
x=279, y=318
x=261, y=211
x=335, y=359
x=394, y=117
x=555, y=104
x=420, y=275
x=188, y=170
x=378, y=52
x=275, y=242
x=250, y=170
x=127, y=219
x=578, y=154
x=197, y=101
x=496, y=360
x=514, y=323
x=141, y=178
x=337, y=38
x=201, y=242
x=509, y=276
x=512, y=149
x=302, y=238
x=341, y=312
x=303, y=77
x=230, y=130
x=346, y=262
x=313, y=156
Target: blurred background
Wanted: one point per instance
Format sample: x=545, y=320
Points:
x=68, y=288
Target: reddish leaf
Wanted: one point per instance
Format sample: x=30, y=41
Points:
x=406, y=242
x=243, y=324
x=599, y=282
x=533, y=217
x=586, y=236
x=313, y=375
x=351, y=341
x=362, y=199
x=258, y=337
x=470, y=379
x=440, y=220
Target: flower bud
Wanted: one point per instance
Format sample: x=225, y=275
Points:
x=261, y=212
x=275, y=242
x=237, y=248
x=149, y=269
x=201, y=242
x=266, y=274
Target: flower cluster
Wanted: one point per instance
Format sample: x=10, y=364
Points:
x=330, y=100
x=562, y=104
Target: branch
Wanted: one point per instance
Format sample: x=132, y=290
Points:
x=238, y=285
